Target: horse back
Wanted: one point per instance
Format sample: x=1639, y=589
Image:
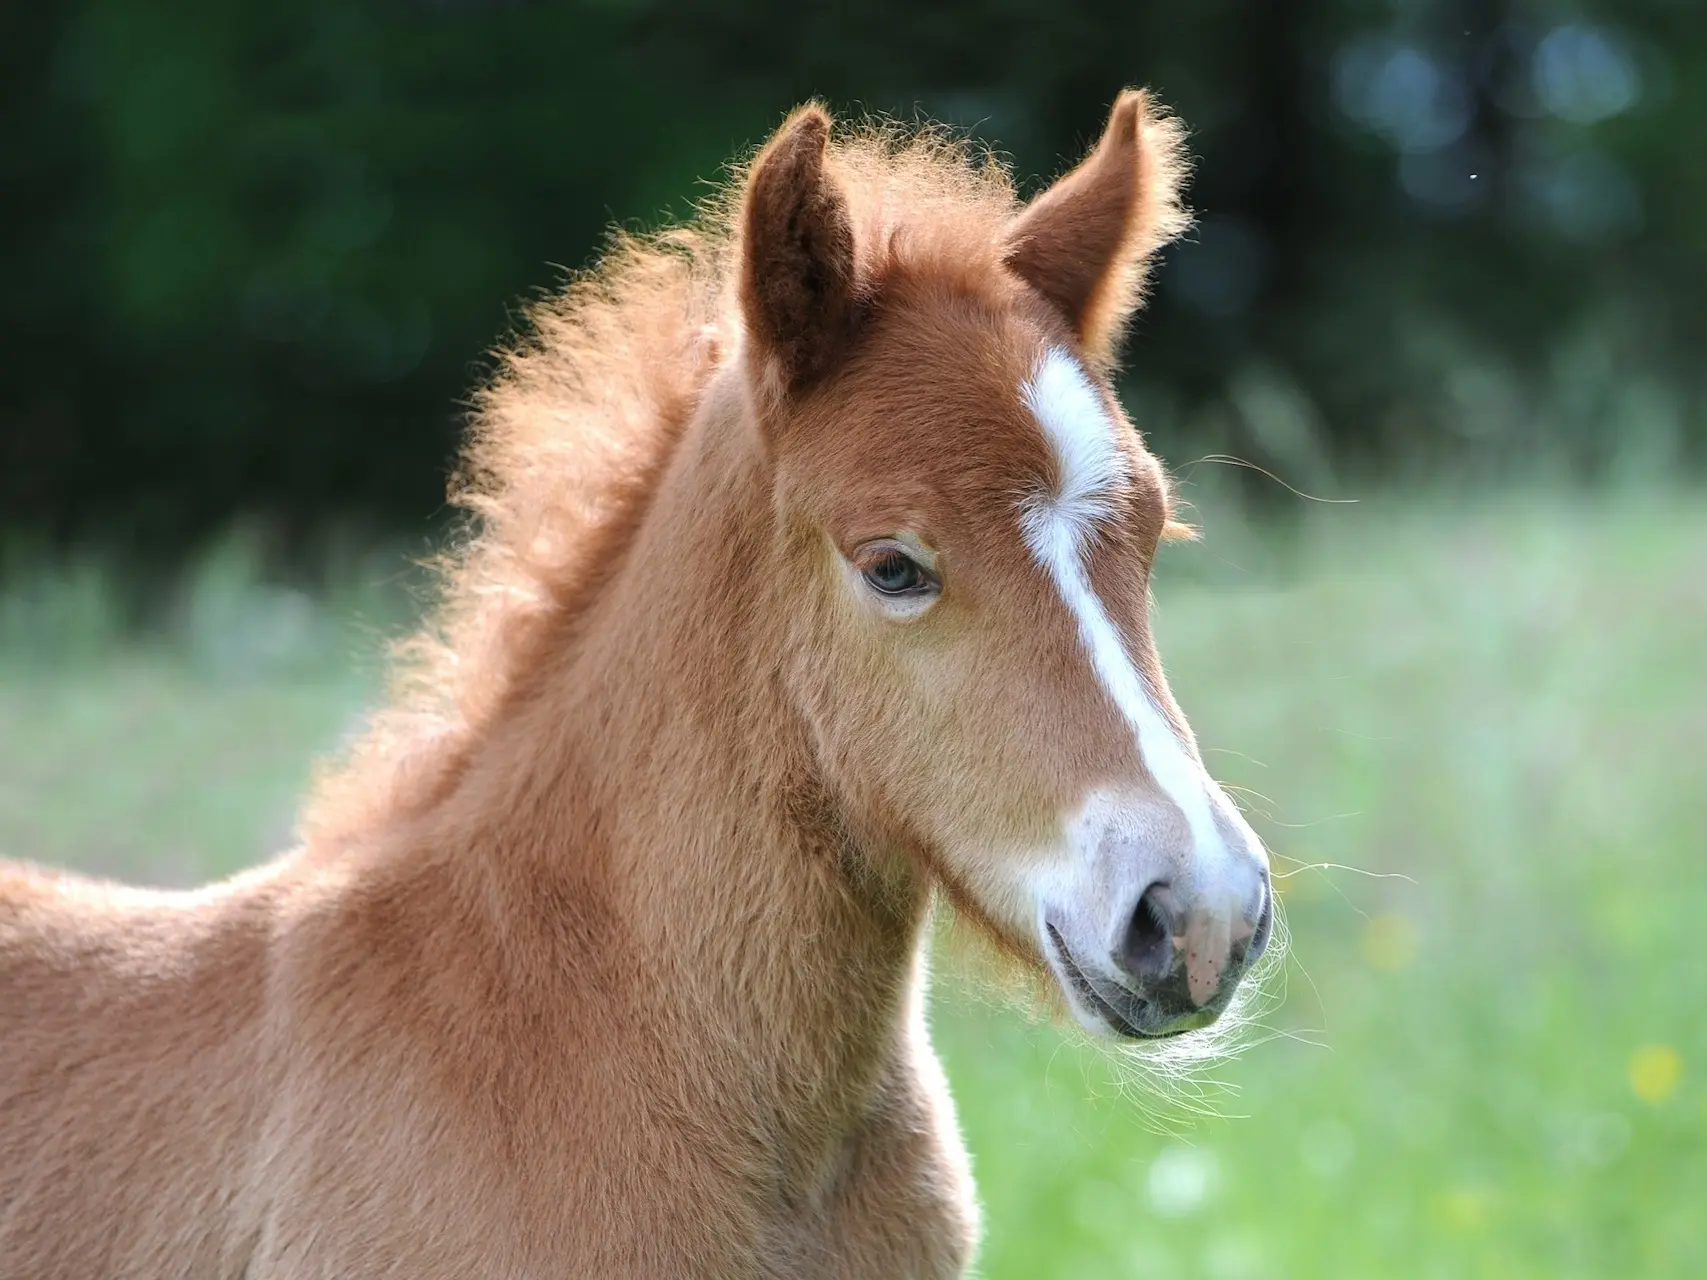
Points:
x=132, y=1068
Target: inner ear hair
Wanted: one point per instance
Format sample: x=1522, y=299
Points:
x=1085, y=242
x=799, y=294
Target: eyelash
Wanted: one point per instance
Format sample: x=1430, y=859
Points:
x=895, y=574
x=892, y=564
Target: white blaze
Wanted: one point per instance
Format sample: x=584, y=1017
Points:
x=1082, y=434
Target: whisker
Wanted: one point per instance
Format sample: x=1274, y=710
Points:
x=1228, y=751
x=1227, y=459
x=1337, y=866
x=1314, y=822
x=1293, y=957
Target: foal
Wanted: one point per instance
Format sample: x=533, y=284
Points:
x=811, y=578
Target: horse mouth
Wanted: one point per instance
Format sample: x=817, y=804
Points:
x=1103, y=998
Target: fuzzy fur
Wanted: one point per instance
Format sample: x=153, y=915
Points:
x=601, y=952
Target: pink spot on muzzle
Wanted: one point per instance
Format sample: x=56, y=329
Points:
x=1207, y=946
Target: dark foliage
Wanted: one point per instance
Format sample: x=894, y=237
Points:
x=253, y=255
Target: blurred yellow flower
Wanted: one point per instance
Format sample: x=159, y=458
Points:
x=1389, y=941
x=1655, y=1070
x=1465, y=1208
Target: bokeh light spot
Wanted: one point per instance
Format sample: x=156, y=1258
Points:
x=1181, y=1181
x=1584, y=74
x=1465, y=1209
x=1655, y=1070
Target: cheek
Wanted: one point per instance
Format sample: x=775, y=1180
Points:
x=961, y=733
x=944, y=748
x=969, y=746
x=894, y=720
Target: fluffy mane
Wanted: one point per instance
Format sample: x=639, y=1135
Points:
x=570, y=435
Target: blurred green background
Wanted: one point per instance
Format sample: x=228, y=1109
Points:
x=1451, y=263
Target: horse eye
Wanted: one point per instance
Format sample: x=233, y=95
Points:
x=894, y=573
x=903, y=579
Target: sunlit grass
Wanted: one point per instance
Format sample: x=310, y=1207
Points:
x=1495, y=709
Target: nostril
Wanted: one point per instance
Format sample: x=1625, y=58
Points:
x=1147, y=951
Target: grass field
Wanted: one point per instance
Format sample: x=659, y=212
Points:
x=1495, y=1065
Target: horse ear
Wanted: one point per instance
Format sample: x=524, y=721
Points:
x=1085, y=242
x=798, y=289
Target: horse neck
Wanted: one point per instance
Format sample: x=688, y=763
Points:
x=659, y=769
